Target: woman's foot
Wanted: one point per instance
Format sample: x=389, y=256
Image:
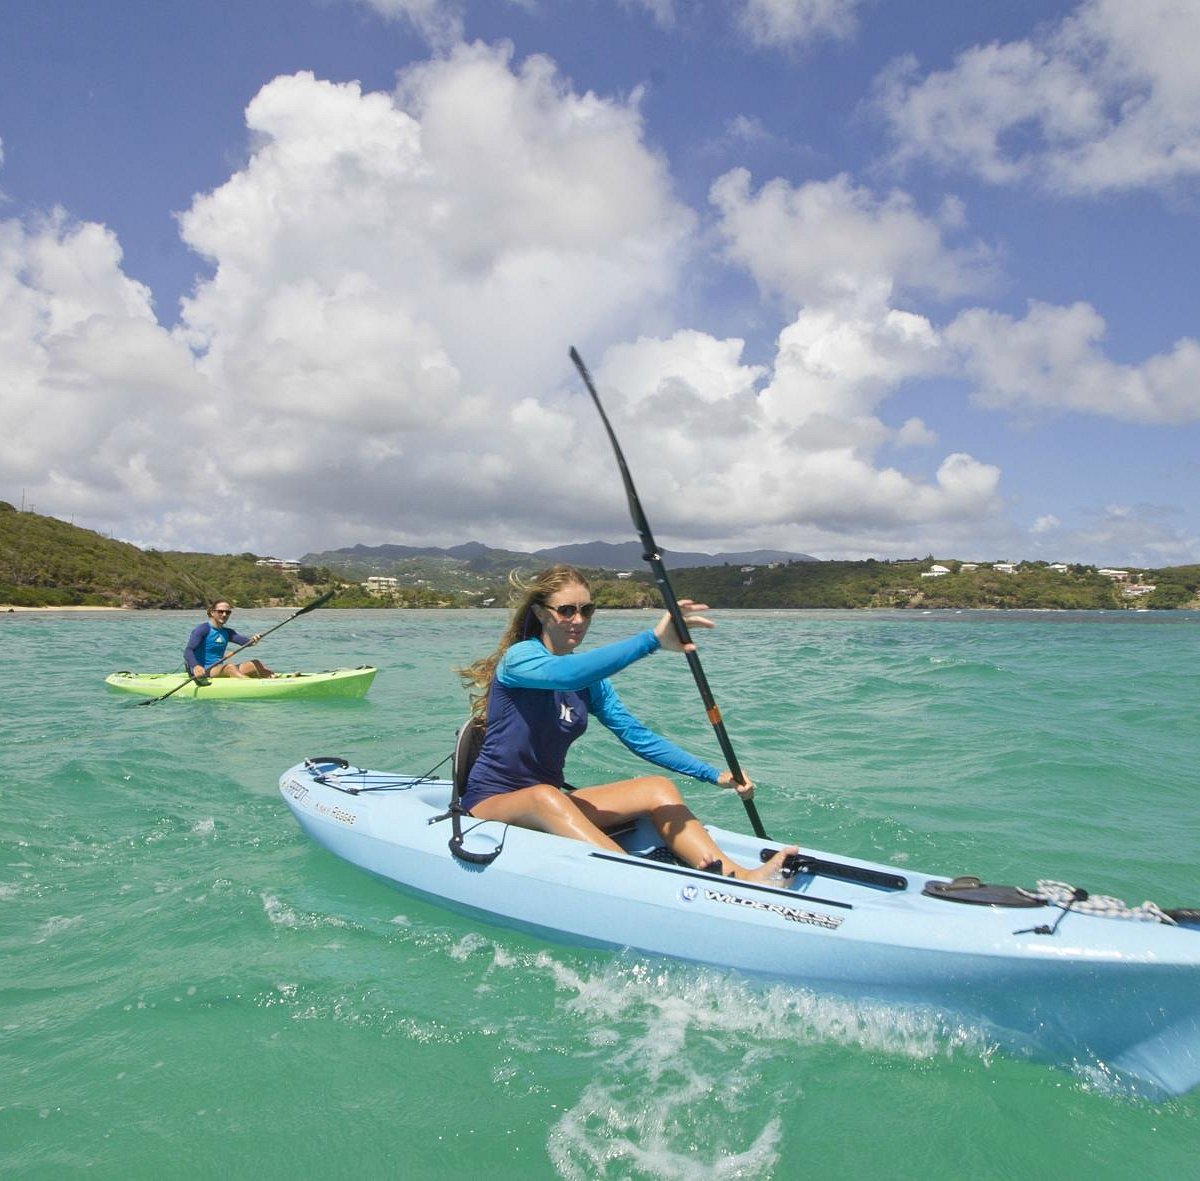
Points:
x=770, y=871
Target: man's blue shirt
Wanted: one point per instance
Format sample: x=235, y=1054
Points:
x=207, y=643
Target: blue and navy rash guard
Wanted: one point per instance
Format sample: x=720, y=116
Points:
x=539, y=704
x=207, y=643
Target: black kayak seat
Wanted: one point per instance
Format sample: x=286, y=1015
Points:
x=466, y=751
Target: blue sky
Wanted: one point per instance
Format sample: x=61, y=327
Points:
x=856, y=278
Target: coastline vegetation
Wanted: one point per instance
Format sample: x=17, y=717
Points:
x=46, y=562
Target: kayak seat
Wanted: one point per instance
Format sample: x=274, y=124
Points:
x=466, y=750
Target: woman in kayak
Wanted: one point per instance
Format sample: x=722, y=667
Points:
x=207, y=644
x=536, y=693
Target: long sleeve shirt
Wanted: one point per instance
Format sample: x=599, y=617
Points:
x=539, y=704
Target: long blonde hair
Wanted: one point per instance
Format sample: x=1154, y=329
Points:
x=523, y=624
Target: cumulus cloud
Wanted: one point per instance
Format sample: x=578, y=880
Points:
x=378, y=352
x=100, y=399
x=834, y=241
x=742, y=449
x=394, y=282
x=1106, y=99
x=1141, y=535
x=1052, y=360
x=792, y=23
x=407, y=266
x=440, y=22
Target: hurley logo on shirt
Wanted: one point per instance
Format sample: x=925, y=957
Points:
x=564, y=713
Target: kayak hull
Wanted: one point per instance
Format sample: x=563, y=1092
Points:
x=1098, y=991
x=338, y=682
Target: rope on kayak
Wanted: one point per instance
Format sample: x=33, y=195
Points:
x=1073, y=898
x=331, y=777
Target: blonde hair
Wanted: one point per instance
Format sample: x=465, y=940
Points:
x=523, y=624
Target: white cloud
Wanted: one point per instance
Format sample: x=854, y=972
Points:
x=1117, y=534
x=409, y=267
x=661, y=11
x=395, y=281
x=914, y=433
x=832, y=242
x=720, y=460
x=834, y=363
x=100, y=400
x=1106, y=99
x=1051, y=360
x=380, y=351
x=440, y=22
x=791, y=23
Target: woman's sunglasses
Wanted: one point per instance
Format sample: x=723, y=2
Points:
x=568, y=610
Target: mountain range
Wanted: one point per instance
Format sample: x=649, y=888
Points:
x=591, y=555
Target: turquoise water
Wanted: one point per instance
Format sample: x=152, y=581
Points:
x=190, y=988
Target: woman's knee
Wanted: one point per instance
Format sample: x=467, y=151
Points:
x=547, y=800
x=660, y=792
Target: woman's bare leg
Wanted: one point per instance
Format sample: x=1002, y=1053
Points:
x=544, y=809
x=657, y=797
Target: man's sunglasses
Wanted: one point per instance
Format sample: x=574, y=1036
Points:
x=568, y=610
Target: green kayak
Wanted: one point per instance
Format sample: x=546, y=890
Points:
x=337, y=682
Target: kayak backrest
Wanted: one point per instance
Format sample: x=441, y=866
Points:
x=466, y=751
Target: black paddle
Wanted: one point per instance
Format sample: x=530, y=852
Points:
x=654, y=557
x=319, y=602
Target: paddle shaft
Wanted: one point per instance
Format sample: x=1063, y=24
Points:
x=263, y=635
x=225, y=660
x=654, y=558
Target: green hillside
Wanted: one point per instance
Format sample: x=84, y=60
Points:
x=45, y=562
x=1031, y=586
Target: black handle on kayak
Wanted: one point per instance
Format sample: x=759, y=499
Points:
x=319, y=602
x=804, y=863
x=654, y=557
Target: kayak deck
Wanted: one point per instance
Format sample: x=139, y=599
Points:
x=338, y=682
x=1054, y=983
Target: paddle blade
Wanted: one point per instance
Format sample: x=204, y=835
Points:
x=317, y=603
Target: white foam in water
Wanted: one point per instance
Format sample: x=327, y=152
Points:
x=283, y=915
x=685, y=1049
x=56, y=926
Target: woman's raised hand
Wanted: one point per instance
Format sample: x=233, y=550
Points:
x=668, y=637
x=745, y=790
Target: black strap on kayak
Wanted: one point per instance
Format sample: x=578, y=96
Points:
x=466, y=751
x=804, y=864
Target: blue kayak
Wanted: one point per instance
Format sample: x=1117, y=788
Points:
x=1041, y=972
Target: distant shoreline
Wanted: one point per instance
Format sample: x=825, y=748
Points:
x=12, y=609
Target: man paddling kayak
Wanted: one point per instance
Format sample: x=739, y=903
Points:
x=209, y=641
x=536, y=694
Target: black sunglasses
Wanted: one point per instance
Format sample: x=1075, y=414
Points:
x=567, y=610
x=220, y=611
